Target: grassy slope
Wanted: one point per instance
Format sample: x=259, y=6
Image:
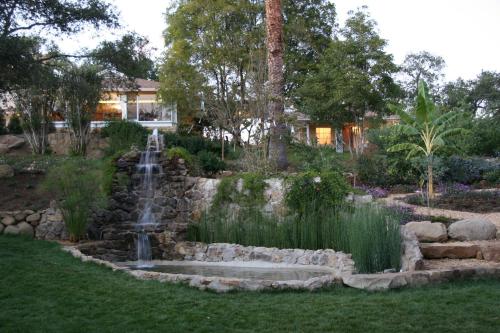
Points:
x=44, y=289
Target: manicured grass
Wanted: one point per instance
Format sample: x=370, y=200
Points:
x=43, y=289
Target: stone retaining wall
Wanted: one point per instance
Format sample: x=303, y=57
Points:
x=45, y=224
x=340, y=262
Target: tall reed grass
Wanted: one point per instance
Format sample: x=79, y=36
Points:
x=369, y=232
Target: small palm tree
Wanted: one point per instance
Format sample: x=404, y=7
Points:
x=429, y=126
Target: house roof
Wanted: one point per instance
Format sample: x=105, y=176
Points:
x=123, y=85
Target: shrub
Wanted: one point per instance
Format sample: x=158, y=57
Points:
x=321, y=189
x=493, y=176
x=124, y=134
x=179, y=152
x=210, y=162
x=485, y=139
x=466, y=170
x=370, y=233
x=309, y=158
x=193, y=143
x=251, y=194
x=79, y=182
x=14, y=126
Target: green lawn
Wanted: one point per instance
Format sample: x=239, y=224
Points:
x=43, y=289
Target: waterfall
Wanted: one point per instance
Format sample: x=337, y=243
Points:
x=149, y=168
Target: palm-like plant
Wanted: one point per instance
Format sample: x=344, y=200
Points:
x=430, y=126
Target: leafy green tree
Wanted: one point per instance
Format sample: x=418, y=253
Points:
x=211, y=47
x=430, y=126
x=354, y=75
x=129, y=55
x=422, y=66
x=308, y=30
x=35, y=105
x=22, y=24
x=80, y=92
x=216, y=53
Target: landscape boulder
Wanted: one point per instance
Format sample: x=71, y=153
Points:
x=12, y=141
x=428, y=232
x=1, y=228
x=11, y=230
x=8, y=220
x=33, y=218
x=25, y=229
x=472, y=229
x=411, y=257
x=6, y=171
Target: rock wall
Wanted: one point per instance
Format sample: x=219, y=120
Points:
x=45, y=224
x=217, y=252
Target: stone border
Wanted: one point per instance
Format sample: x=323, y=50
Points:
x=372, y=282
x=217, y=284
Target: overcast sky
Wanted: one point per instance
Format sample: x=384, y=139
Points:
x=465, y=33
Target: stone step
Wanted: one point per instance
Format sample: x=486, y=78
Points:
x=454, y=250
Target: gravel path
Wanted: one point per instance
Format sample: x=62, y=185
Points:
x=453, y=214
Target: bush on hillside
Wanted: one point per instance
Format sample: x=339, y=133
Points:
x=123, y=135
x=312, y=190
x=79, y=182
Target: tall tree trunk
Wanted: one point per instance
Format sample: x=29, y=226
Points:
x=274, y=29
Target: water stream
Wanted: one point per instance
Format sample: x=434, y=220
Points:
x=149, y=169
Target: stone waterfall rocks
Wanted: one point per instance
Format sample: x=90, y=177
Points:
x=472, y=229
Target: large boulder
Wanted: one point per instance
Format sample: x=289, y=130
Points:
x=472, y=229
x=52, y=231
x=8, y=220
x=11, y=230
x=25, y=229
x=33, y=219
x=450, y=250
x=428, y=232
x=4, y=149
x=12, y=141
x=6, y=171
x=1, y=228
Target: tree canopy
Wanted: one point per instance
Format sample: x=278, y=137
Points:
x=354, y=75
x=22, y=23
x=218, y=48
x=422, y=66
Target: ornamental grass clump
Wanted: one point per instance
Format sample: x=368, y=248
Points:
x=79, y=183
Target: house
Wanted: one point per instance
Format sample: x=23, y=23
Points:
x=345, y=138
x=137, y=101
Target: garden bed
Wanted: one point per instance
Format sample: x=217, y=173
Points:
x=469, y=201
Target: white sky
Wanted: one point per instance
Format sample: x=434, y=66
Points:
x=465, y=33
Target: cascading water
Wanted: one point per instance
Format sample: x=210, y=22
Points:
x=149, y=168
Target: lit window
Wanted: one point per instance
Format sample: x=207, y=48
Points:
x=324, y=135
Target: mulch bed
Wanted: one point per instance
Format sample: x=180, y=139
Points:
x=474, y=202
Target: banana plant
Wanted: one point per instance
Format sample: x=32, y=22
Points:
x=429, y=126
